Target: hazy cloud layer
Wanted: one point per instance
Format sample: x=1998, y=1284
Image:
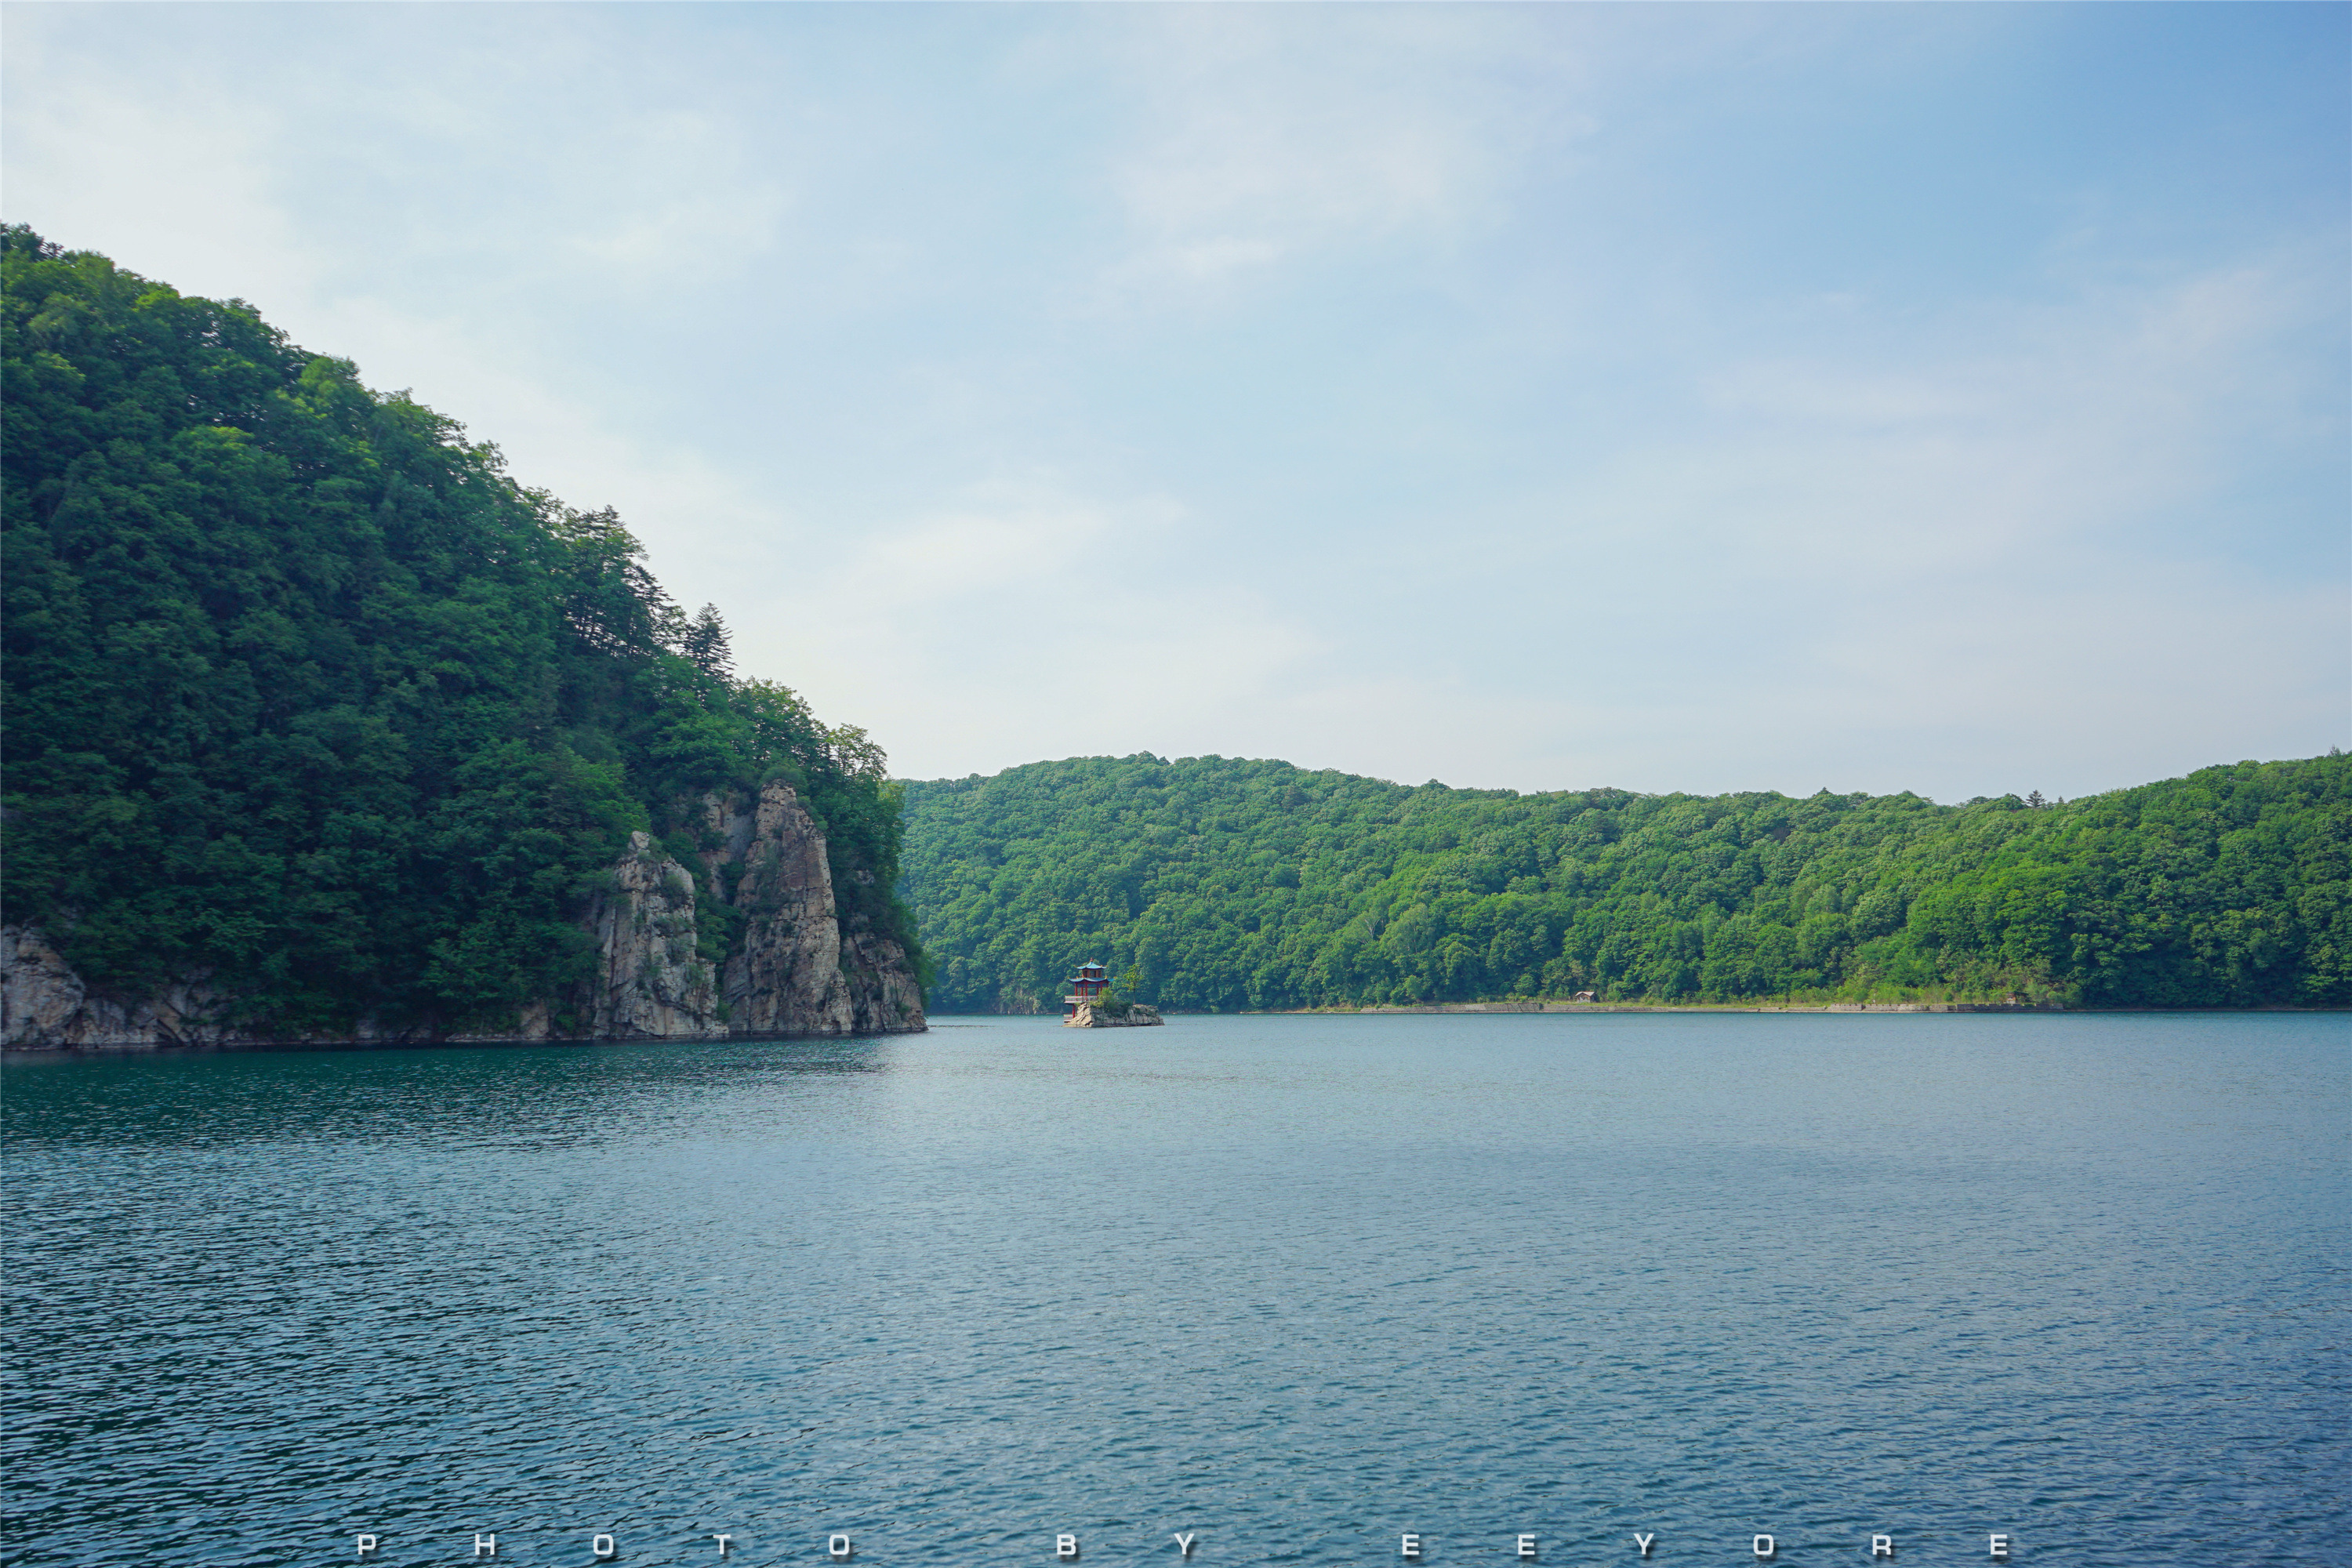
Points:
x=1679, y=398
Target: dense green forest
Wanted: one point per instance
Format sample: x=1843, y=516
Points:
x=302, y=688
x=1223, y=884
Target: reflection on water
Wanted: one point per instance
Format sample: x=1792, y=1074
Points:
x=1295, y=1285
x=515, y=1093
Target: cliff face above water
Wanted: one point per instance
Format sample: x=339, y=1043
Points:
x=657, y=971
x=652, y=981
x=322, y=726
x=787, y=977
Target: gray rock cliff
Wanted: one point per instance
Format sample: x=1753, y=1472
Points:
x=44, y=1005
x=651, y=984
x=884, y=997
x=795, y=971
x=787, y=978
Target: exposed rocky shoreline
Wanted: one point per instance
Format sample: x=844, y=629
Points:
x=800, y=969
x=1135, y=1015
x=1557, y=1006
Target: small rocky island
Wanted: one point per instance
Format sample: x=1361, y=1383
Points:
x=1134, y=1015
x=1092, y=1005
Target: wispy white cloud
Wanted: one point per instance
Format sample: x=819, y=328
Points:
x=1390, y=388
x=1268, y=135
x=1025, y=613
x=2009, y=555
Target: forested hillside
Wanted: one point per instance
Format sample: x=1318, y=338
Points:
x=1227, y=884
x=303, y=691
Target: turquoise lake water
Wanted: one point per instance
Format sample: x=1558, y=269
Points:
x=1294, y=1287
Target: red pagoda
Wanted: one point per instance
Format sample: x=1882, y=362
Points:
x=1086, y=986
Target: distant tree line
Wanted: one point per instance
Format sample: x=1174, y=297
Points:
x=302, y=691
x=1226, y=884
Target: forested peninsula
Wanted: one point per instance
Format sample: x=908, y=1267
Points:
x=320, y=725
x=1218, y=884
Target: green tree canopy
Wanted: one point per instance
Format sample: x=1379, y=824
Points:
x=302, y=688
x=1229, y=884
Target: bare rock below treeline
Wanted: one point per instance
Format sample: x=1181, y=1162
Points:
x=797, y=970
x=787, y=978
x=44, y=1005
x=651, y=984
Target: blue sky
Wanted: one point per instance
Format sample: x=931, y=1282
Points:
x=1956, y=398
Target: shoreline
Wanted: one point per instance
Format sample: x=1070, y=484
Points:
x=17, y=1053
x=1809, y=1008
x=1549, y=1006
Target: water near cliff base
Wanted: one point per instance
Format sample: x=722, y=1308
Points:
x=1294, y=1287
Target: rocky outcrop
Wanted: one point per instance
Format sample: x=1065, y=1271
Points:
x=45, y=1005
x=1135, y=1015
x=884, y=998
x=795, y=970
x=798, y=971
x=787, y=978
x=651, y=983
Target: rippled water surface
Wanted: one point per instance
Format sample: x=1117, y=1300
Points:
x=1294, y=1287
